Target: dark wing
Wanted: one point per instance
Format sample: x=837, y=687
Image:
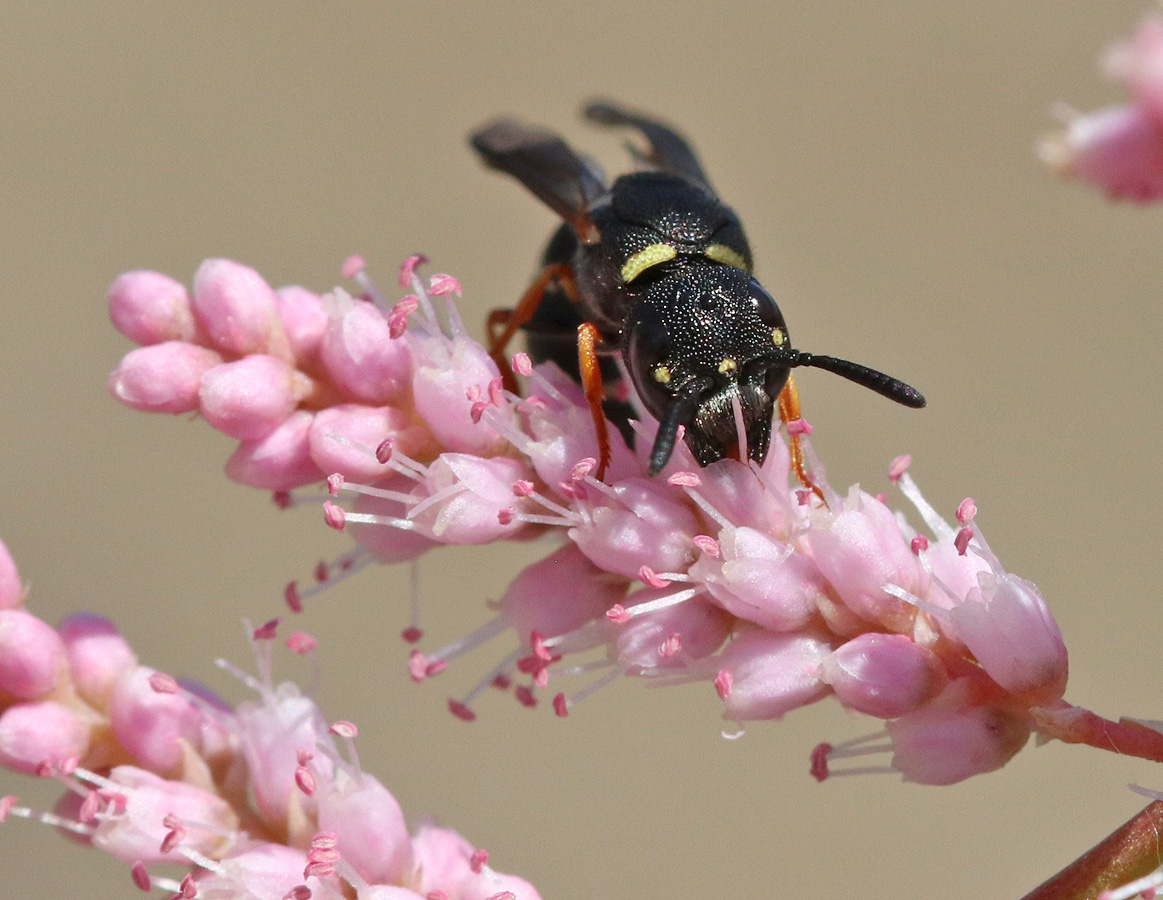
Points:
x=669, y=150
x=545, y=164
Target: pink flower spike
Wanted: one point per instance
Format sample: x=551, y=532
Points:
x=966, y=510
x=334, y=516
x=162, y=377
x=302, y=643
x=303, y=318
x=441, y=284
x=560, y=706
x=360, y=355
x=344, y=729
x=797, y=427
x=150, y=308
x=522, y=365
x=898, y=467
x=882, y=675
x=773, y=674
x=946, y=744
x=961, y=542
x=353, y=265
x=408, y=269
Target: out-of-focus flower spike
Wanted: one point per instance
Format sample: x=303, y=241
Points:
x=11, y=588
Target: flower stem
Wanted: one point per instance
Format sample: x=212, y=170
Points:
x=1074, y=725
x=1130, y=852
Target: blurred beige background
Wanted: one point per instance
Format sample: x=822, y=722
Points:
x=881, y=155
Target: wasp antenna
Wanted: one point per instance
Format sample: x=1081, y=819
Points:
x=885, y=385
x=680, y=411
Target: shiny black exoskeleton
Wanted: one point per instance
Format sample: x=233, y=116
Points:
x=661, y=268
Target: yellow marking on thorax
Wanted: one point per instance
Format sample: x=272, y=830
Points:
x=721, y=253
x=727, y=365
x=644, y=259
x=662, y=374
x=778, y=336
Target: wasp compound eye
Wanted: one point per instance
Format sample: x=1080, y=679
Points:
x=648, y=353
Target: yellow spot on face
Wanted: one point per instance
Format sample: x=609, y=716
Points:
x=727, y=365
x=778, y=337
x=662, y=374
x=644, y=259
x=721, y=253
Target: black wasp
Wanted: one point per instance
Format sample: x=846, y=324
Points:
x=657, y=269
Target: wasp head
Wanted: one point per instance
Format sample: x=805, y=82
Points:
x=704, y=340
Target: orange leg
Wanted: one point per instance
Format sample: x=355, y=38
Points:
x=588, y=337
x=503, y=324
x=789, y=411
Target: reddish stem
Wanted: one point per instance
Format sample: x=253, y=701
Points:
x=1128, y=853
x=1074, y=725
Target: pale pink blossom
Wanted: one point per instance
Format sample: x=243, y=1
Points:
x=732, y=574
x=1119, y=149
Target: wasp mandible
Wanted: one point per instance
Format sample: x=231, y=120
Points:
x=656, y=269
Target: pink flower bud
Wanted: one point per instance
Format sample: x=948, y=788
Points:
x=360, y=354
x=645, y=528
x=861, y=548
x=162, y=377
x=304, y=320
x=279, y=461
x=11, y=590
x=250, y=398
x=343, y=439
x=883, y=675
x=238, y=310
x=1139, y=63
x=137, y=832
x=151, y=725
x=32, y=655
x=440, y=385
x=1009, y=629
x=772, y=674
x=149, y=308
x=1118, y=149
x=947, y=744
x=98, y=655
x=33, y=733
x=559, y=593
x=369, y=825
x=762, y=580
x=694, y=629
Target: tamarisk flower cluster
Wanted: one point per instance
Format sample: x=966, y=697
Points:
x=260, y=801
x=733, y=575
x=1120, y=149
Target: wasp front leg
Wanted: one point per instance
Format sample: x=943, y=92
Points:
x=588, y=338
x=789, y=411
